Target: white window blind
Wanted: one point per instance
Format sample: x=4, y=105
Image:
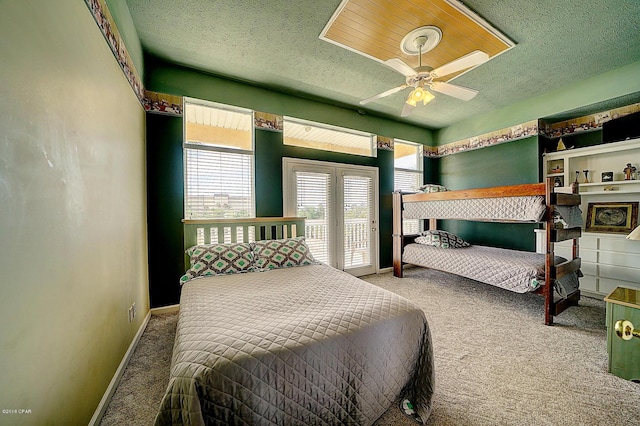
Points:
x=408, y=174
x=358, y=199
x=406, y=181
x=314, y=202
x=219, y=163
x=328, y=138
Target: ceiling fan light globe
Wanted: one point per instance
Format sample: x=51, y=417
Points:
x=428, y=97
x=417, y=94
x=410, y=99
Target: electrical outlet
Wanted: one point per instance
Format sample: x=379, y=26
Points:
x=132, y=312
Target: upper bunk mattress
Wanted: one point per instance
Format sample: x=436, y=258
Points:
x=507, y=209
x=295, y=346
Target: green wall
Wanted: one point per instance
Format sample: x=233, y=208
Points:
x=509, y=163
x=73, y=235
x=505, y=164
x=615, y=83
x=165, y=196
x=165, y=78
x=165, y=200
x=165, y=168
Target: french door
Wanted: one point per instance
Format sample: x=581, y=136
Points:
x=340, y=203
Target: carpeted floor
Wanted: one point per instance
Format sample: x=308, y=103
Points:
x=496, y=361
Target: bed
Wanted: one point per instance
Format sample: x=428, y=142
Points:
x=554, y=277
x=285, y=340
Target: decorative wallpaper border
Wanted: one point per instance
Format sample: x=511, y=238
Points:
x=585, y=123
x=151, y=101
x=160, y=103
x=268, y=121
x=508, y=134
x=384, y=143
x=107, y=25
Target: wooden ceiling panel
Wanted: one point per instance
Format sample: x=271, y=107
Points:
x=375, y=28
x=343, y=36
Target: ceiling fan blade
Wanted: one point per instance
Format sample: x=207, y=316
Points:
x=406, y=110
x=472, y=59
x=383, y=94
x=452, y=90
x=400, y=66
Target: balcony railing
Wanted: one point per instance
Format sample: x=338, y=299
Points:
x=356, y=241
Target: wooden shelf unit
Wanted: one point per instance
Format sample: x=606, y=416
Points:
x=608, y=260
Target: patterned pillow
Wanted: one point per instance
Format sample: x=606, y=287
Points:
x=219, y=259
x=441, y=239
x=431, y=187
x=273, y=254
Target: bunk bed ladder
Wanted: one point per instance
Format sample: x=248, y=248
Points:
x=553, y=235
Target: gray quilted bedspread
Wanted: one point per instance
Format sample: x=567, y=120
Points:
x=518, y=271
x=526, y=208
x=307, y=345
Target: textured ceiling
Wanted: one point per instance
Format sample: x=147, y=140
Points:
x=276, y=44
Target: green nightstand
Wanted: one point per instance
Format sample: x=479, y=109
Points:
x=623, y=341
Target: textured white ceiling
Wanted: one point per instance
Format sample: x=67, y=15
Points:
x=275, y=44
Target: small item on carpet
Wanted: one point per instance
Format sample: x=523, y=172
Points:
x=408, y=410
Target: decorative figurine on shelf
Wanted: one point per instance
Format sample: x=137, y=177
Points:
x=575, y=185
x=630, y=172
x=561, y=146
x=586, y=176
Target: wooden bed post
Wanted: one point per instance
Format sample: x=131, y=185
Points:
x=575, y=247
x=397, y=234
x=549, y=261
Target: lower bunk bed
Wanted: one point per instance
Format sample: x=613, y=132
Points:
x=266, y=335
x=554, y=277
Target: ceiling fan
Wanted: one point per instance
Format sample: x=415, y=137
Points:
x=423, y=78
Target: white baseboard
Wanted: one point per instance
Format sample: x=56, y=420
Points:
x=106, y=398
x=165, y=309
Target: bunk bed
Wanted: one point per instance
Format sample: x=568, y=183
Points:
x=268, y=335
x=555, y=278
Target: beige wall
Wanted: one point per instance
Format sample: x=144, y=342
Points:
x=73, y=253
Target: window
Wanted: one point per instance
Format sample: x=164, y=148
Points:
x=328, y=138
x=219, y=161
x=407, y=163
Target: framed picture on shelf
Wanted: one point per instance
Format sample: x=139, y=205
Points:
x=556, y=166
x=613, y=217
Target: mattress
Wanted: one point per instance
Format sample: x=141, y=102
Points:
x=514, y=270
x=295, y=346
x=505, y=209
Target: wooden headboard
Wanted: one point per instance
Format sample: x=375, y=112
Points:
x=214, y=231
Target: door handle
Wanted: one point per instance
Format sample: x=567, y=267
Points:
x=625, y=330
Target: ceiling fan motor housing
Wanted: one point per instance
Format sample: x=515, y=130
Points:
x=423, y=78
